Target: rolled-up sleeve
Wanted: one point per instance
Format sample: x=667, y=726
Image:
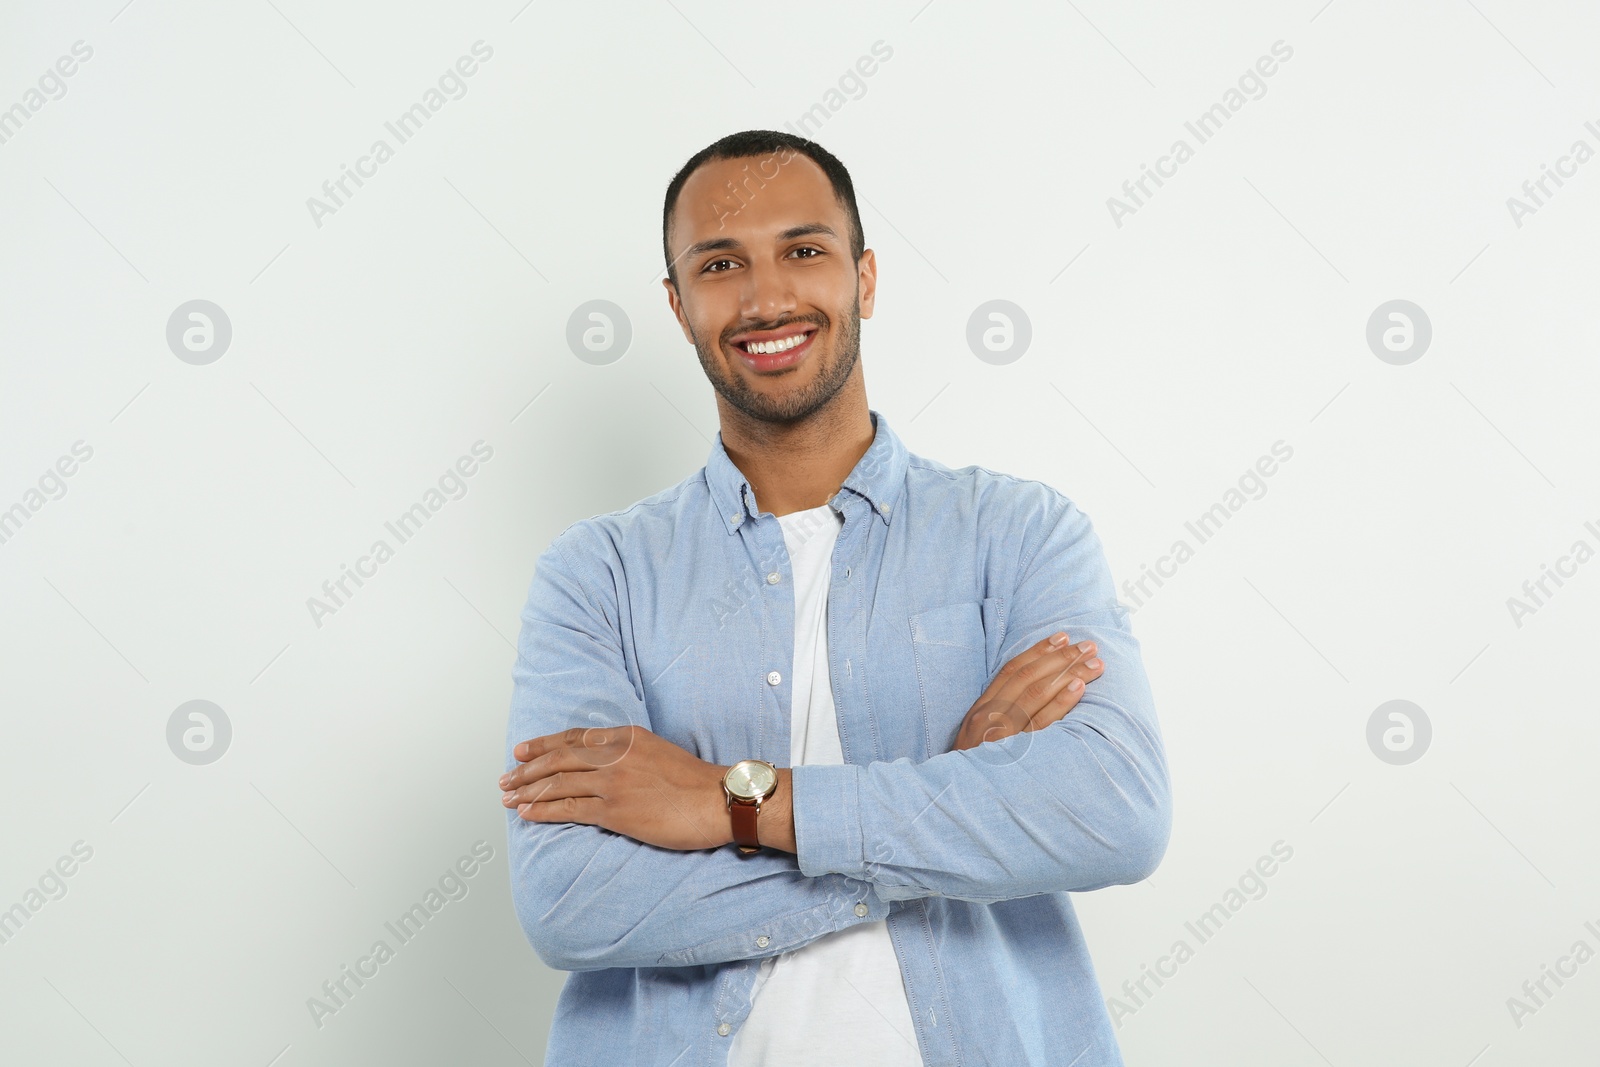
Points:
x=1080, y=804
x=589, y=898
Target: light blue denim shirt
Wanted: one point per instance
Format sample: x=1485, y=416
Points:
x=677, y=614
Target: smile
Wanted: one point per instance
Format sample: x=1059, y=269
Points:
x=776, y=353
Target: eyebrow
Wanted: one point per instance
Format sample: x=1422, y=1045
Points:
x=724, y=244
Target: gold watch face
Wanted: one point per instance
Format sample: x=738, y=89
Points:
x=749, y=779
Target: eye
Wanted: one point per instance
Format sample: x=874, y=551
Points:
x=809, y=248
x=707, y=268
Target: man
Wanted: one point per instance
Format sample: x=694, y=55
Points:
x=772, y=796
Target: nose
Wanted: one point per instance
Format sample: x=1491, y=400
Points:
x=767, y=294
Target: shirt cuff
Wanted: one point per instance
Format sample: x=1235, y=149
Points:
x=827, y=819
x=847, y=905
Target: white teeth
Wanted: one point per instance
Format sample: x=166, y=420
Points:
x=767, y=348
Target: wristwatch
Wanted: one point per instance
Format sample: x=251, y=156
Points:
x=746, y=785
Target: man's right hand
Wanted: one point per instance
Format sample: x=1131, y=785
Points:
x=1040, y=686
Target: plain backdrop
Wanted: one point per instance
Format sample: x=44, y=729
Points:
x=374, y=341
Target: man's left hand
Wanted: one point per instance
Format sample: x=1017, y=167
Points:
x=624, y=779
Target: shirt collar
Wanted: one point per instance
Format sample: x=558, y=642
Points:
x=878, y=477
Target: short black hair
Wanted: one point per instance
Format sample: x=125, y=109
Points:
x=765, y=143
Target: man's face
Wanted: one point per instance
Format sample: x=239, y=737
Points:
x=762, y=251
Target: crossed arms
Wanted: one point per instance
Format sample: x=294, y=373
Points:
x=1079, y=804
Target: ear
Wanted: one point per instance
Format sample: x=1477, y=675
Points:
x=676, y=303
x=867, y=281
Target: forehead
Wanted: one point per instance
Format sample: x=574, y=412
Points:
x=753, y=196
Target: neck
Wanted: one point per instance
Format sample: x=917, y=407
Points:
x=797, y=466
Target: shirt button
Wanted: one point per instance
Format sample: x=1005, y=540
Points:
x=773, y=678
x=723, y=1028
x=885, y=509
x=772, y=579
x=733, y=519
x=763, y=941
x=861, y=909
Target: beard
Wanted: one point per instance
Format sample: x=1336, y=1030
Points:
x=833, y=369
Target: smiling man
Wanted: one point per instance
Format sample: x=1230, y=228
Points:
x=807, y=752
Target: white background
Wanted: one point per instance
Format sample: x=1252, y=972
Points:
x=429, y=312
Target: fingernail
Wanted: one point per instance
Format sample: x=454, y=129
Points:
x=1057, y=638
x=1074, y=685
x=1094, y=664
x=505, y=798
x=505, y=780
x=1084, y=646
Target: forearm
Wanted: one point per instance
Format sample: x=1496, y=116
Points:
x=1080, y=804
x=723, y=905
x=588, y=898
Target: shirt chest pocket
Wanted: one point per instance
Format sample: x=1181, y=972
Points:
x=950, y=645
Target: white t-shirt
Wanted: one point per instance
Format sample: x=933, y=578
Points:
x=839, y=999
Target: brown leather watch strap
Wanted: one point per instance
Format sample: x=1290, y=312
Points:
x=744, y=825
